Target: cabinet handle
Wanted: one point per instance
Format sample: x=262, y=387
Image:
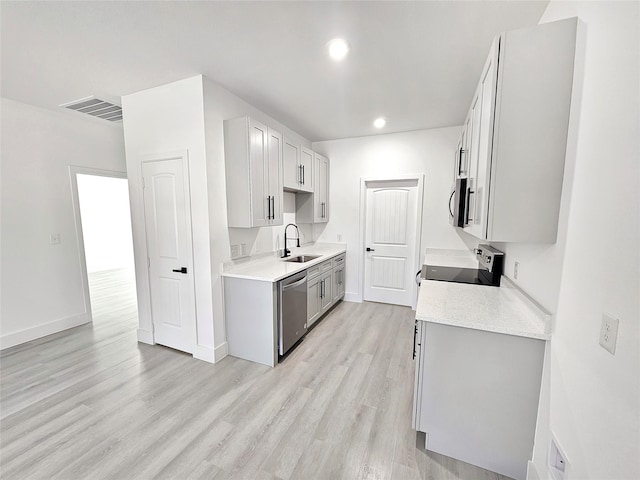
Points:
x=321, y=285
x=415, y=333
x=460, y=169
x=273, y=207
x=268, y=207
x=303, y=174
x=300, y=178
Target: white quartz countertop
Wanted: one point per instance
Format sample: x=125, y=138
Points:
x=272, y=268
x=505, y=309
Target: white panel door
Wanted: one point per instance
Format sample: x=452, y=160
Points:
x=167, y=212
x=390, y=241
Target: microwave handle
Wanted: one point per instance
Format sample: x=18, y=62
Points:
x=450, y=199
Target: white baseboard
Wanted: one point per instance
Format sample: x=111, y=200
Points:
x=145, y=336
x=205, y=354
x=221, y=351
x=32, y=333
x=352, y=297
x=211, y=355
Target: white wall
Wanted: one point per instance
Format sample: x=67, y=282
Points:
x=106, y=222
x=428, y=152
x=41, y=284
x=591, y=399
x=170, y=118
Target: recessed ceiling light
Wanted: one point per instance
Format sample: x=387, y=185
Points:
x=379, y=122
x=338, y=48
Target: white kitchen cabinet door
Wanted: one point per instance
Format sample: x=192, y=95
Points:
x=314, y=207
x=338, y=283
x=321, y=202
x=298, y=167
x=275, y=190
x=253, y=171
x=306, y=169
x=314, y=306
x=483, y=114
x=476, y=395
x=326, y=288
x=291, y=165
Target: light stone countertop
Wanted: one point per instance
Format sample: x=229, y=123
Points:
x=272, y=268
x=505, y=309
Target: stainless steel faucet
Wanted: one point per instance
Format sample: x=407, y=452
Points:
x=287, y=252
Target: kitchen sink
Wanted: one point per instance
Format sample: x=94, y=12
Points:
x=302, y=258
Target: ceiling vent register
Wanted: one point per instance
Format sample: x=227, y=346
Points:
x=95, y=107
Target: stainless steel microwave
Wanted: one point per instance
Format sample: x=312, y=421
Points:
x=458, y=203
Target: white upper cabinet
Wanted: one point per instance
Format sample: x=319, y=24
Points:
x=306, y=168
x=314, y=208
x=253, y=170
x=514, y=142
x=298, y=167
x=321, y=202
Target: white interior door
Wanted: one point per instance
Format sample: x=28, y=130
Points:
x=168, y=226
x=390, y=241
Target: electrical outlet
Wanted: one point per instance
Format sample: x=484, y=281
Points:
x=558, y=463
x=234, y=251
x=516, y=266
x=54, y=239
x=609, y=333
x=339, y=237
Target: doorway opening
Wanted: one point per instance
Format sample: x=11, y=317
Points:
x=103, y=225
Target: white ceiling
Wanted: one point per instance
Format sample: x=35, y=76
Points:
x=416, y=63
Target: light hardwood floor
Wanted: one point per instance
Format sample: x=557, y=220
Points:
x=92, y=403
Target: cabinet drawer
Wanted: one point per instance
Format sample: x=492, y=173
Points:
x=338, y=261
x=328, y=265
x=313, y=271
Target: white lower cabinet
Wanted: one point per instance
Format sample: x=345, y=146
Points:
x=476, y=395
x=326, y=299
x=314, y=308
x=325, y=287
x=338, y=278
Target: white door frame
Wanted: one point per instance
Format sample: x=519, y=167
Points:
x=419, y=177
x=73, y=172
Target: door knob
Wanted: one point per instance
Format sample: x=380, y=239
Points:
x=370, y=249
x=182, y=270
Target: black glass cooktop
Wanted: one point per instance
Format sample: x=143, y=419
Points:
x=458, y=275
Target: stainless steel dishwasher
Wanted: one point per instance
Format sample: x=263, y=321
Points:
x=292, y=311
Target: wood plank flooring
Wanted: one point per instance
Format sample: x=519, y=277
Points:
x=92, y=402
